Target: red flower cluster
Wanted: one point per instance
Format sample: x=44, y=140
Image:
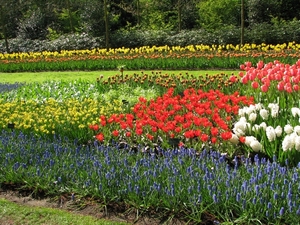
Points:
x=197, y=115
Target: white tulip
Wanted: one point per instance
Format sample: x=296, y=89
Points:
x=234, y=139
x=250, y=109
x=252, y=116
x=264, y=114
x=274, y=109
x=278, y=131
x=295, y=111
x=242, y=112
x=256, y=146
x=297, y=143
x=288, y=129
x=258, y=106
x=249, y=139
x=263, y=125
x=287, y=143
x=270, y=132
x=297, y=129
x=255, y=128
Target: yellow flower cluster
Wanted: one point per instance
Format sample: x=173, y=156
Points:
x=52, y=116
x=149, y=50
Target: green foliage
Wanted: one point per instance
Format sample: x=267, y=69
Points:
x=280, y=31
x=69, y=21
x=63, y=42
x=92, y=19
x=158, y=15
x=262, y=11
x=33, y=27
x=52, y=34
x=215, y=14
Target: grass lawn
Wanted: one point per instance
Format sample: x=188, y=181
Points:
x=15, y=214
x=87, y=75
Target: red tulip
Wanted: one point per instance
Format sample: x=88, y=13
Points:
x=100, y=137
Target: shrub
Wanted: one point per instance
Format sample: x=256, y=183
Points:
x=277, y=32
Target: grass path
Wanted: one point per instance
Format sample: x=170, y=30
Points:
x=88, y=75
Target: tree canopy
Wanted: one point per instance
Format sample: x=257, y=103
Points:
x=37, y=19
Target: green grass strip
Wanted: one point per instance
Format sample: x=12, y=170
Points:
x=30, y=77
x=12, y=213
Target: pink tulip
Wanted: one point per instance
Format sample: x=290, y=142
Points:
x=265, y=81
x=264, y=88
x=280, y=86
x=296, y=87
x=245, y=79
x=252, y=76
x=248, y=64
x=278, y=76
x=295, y=79
x=241, y=74
x=255, y=84
x=286, y=79
x=233, y=79
x=288, y=87
x=260, y=65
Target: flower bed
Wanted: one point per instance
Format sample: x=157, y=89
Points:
x=146, y=57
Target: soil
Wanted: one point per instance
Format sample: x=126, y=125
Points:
x=113, y=212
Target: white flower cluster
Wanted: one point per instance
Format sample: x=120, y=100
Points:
x=246, y=126
x=292, y=139
x=252, y=110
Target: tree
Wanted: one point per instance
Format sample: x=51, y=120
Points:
x=260, y=11
x=168, y=14
x=187, y=14
x=92, y=17
x=10, y=14
x=215, y=14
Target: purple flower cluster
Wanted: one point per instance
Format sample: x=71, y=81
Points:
x=176, y=179
x=6, y=87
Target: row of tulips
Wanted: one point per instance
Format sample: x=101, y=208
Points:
x=164, y=57
x=147, y=50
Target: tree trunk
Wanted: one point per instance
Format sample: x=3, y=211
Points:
x=106, y=25
x=6, y=43
x=70, y=16
x=3, y=26
x=179, y=15
x=242, y=22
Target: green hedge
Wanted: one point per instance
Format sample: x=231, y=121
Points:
x=276, y=33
